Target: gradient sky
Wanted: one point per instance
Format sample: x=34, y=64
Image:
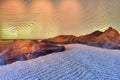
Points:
x=33, y=19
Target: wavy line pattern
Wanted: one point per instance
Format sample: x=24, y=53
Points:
x=81, y=17
x=78, y=62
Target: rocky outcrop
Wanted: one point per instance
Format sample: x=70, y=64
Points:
x=21, y=50
x=108, y=39
x=62, y=39
x=89, y=38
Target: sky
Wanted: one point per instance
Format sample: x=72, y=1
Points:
x=36, y=19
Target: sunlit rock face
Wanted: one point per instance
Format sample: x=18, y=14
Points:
x=20, y=50
x=89, y=38
x=62, y=39
x=24, y=46
x=111, y=35
x=108, y=39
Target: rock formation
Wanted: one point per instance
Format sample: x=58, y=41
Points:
x=21, y=50
x=108, y=39
x=62, y=39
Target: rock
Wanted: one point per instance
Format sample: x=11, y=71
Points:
x=22, y=47
x=21, y=50
x=46, y=49
x=62, y=39
x=108, y=39
x=87, y=39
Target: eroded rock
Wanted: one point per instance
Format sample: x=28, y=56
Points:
x=62, y=39
x=108, y=39
x=21, y=50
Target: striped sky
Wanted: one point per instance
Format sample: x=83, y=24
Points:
x=36, y=19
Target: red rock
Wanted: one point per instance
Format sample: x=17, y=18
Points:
x=87, y=39
x=62, y=39
x=21, y=50
x=108, y=39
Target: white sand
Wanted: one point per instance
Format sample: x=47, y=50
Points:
x=78, y=62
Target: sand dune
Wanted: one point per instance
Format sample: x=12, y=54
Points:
x=78, y=62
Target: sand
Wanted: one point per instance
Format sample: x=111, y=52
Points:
x=78, y=62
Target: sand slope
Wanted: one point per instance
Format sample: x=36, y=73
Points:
x=78, y=62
